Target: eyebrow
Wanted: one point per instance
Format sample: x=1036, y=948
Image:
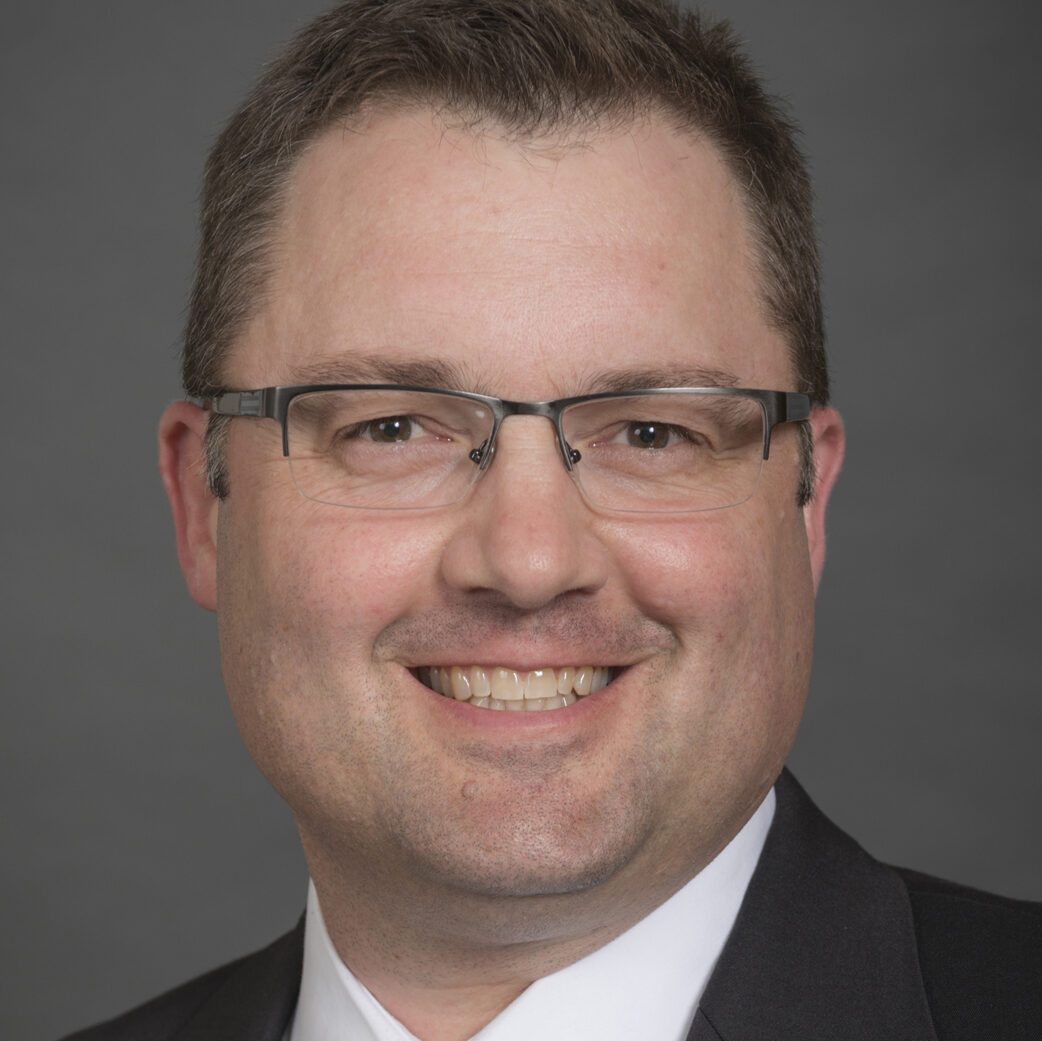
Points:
x=445, y=375
x=645, y=378
x=373, y=368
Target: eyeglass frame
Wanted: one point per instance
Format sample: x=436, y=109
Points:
x=779, y=406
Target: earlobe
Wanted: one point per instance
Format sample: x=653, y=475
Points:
x=182, y=464
x=829, y=446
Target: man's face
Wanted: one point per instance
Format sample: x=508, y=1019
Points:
x=534, y=272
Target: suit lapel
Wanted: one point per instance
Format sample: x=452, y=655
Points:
x=702, y=1029
x=824, y=946
x=256, y=999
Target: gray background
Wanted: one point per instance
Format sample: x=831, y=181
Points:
x=140, y=846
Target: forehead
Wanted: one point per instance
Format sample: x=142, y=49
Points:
x=525, y=265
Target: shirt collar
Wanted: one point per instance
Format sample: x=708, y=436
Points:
x=645, y=983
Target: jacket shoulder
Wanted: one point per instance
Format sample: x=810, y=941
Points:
x=253, y=996
x=981, y=959
x=163, y=1016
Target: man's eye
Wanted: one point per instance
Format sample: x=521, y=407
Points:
x=388, y=429
x=656, y=435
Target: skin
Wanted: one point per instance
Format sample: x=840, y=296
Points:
x=460, y=853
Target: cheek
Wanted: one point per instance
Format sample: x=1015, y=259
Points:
x=300, y=604
x=736, y=591
x=326, y=575
x=704, y=575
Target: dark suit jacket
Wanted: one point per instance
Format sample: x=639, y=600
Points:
x=829, y=945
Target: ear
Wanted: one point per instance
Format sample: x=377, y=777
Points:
x=182, y=464
x=829, y=446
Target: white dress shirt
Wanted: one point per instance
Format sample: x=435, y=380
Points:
x=645, y=984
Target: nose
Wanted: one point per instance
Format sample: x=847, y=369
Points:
x=525, y=532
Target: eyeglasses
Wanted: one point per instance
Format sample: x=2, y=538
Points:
x=391, y=447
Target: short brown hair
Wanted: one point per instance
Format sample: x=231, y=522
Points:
x=529, y=67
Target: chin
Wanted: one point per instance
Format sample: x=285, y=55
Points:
x=526, y=855
x=527, y=874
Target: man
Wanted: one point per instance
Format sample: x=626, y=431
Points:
x=506, y=474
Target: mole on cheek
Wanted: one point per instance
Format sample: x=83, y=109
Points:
x=469, y=789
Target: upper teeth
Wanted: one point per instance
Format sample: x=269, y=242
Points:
x=500, y=688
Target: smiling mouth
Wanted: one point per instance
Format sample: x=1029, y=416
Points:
x=511, y=691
